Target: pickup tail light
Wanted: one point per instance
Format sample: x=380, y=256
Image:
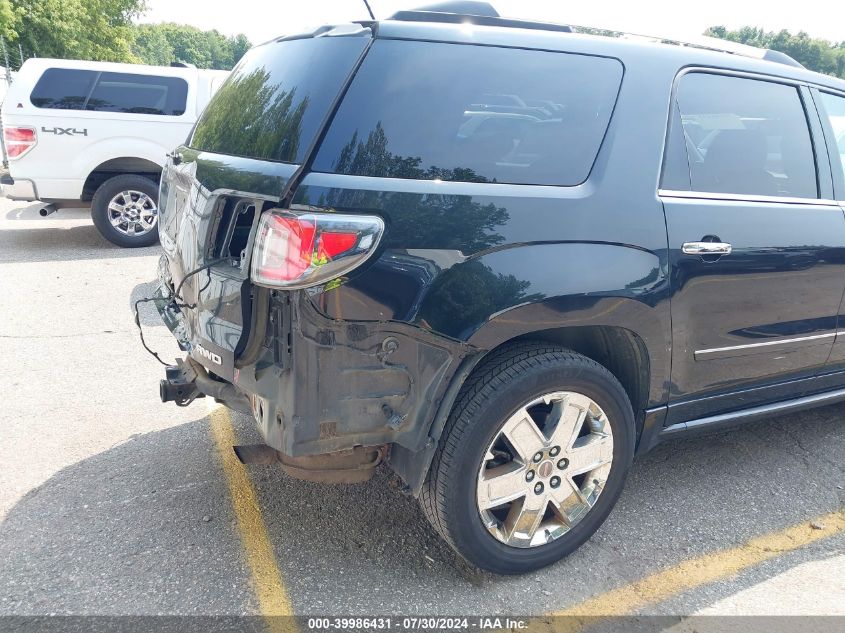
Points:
x=19, y=140
x=301, y=250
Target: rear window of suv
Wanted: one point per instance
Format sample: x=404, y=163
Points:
x=275, y=100
x=424, y=110
x=130, y=93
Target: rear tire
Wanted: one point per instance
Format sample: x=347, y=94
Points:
x=499, y=392
x=125, y=210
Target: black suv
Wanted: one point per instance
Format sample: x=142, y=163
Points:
x=503, y=258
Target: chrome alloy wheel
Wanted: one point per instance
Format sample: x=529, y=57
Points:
x=544, y=469
x=133, y=212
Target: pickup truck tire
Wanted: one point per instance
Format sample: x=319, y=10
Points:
x=125, y=210
x=555, y=382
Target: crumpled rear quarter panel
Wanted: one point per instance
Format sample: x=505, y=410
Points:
x=340, y=384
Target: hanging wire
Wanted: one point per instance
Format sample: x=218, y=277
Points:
x=175, y=300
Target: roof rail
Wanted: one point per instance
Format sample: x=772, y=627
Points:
x=471, y=12
x=744, y=50
x=712, y=44
x=483, y=13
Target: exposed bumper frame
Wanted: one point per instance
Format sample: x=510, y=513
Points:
x=337, y=385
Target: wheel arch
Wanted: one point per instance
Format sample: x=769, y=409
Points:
x=622, y=351
x=116, y=166
x=627, y=354
x=607, y=301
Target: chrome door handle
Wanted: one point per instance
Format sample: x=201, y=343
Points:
x=706, y=248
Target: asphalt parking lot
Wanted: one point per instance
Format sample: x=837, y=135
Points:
x=113, y=503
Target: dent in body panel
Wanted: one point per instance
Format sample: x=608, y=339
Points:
x=341, y=384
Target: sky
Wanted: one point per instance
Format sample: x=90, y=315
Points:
x=260, y=20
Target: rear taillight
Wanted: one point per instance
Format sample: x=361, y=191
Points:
x=302, y=250
x=19, y=140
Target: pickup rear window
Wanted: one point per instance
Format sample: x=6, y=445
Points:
x=425, y=110
x=129, y=93
x=273, y=103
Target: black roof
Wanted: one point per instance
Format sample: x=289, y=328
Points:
x=479, y=23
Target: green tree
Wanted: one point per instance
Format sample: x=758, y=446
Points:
x=76, y=29
x=102, y=30
x=7, y=21
x=240, y=45
x=167, y=42
x=151, y=46
x=816, y=54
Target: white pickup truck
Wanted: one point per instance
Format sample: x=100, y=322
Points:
x=98, y=132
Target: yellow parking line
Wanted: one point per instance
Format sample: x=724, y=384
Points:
x=273, y=599
x=699, y=571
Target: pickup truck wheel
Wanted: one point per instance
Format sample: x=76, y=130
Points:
x=125, y=210
x=532, y=459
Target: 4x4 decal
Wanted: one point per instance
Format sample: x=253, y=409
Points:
x=61, y=131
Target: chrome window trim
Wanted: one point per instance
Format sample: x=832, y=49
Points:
x=719, y=352
x=836, y=92
x=738, y=197
x=743, y=74
x=751, y=74
x=450, y=187
x=760, y=76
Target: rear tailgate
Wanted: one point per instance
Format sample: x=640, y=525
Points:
x=250, y=141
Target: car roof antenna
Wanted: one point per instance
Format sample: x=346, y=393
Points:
x=369, y=10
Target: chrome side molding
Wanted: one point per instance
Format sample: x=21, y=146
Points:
x=723, y=420
x=738, y=197
x=751, y=348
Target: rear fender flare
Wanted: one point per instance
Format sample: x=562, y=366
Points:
x=563, y=285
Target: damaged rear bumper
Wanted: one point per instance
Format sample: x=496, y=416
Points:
x=188, y=380
x=323, y=387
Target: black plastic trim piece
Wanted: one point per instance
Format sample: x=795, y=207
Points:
x=732, y=418
x=479, y=20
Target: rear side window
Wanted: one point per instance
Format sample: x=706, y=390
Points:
x=139, y=94
x=743, y=136
x=427, y=110
x=63, y=89
x=70, y=89
x=273, y=103
x=835, y=109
